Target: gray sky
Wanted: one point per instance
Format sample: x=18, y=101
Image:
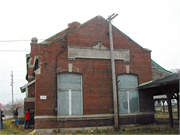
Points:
x=152, y=24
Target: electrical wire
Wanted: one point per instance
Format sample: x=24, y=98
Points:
x=14, y=50
x=18, y=40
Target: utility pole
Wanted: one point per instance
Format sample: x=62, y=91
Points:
x=115, y=99
x=12, y=86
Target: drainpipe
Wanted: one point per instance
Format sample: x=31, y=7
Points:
x=115, y=101
x=64, y=46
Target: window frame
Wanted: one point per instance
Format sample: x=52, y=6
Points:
x=69, y=95
x=128, y=90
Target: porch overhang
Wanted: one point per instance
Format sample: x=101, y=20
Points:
x=168, y=86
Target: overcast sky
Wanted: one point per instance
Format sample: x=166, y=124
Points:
x=152, y=24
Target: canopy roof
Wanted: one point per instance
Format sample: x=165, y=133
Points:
x=169, y=82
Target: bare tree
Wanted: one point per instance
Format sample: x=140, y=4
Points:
x=176, y=70
x=19, y=103
x=8, y=105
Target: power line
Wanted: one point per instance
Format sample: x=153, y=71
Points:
x=18, y=40
x=14, y=50
x=14, y=94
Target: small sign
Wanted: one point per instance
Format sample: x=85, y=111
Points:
x=43, y=97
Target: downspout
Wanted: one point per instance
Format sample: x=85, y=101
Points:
x=63, y=46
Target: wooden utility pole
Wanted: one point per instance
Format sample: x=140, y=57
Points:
x=115, y=101
x=12, y=87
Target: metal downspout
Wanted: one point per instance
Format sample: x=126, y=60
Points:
x=56, y=71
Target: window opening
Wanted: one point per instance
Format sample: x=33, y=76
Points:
x=128, y=94
x=70, y=94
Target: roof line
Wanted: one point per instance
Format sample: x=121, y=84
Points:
x=71, y=31
x=162, y=68
x=145, y=83
x=132, y=40
x=56, y=34
x=163, y=81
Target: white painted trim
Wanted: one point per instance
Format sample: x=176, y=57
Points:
x=128, y=102
x=26, y=85
x=37, y=71
x=70, y=112
x=29, y=62
x=26, y=92
x=70, y=65
x=127, y=69
x=68, y=89
x=82, y=94
x=45, y=117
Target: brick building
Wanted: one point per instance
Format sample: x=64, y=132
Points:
x=70, y=80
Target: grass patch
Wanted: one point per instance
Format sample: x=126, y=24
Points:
x=136, y=130
x=154, y=130
x=9, y=128
x=165, y=115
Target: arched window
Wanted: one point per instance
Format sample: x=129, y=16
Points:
x=128, y=94
x=70, y=94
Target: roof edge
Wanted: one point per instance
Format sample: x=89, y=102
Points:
x=145, y=83
x=71, y=31
x=46, y=40
x=169, y=72
x=82, y=25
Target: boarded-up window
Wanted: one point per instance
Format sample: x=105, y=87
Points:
x=70, y=94
x=128, y=94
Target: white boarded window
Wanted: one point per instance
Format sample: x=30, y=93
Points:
x=70, y=94
x=128, y=94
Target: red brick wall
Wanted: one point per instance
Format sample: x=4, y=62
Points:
x=71, y=124
x=97, y=80
x=31, y=90
x=29, y=105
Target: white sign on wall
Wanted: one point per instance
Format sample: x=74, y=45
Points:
x=44, y=97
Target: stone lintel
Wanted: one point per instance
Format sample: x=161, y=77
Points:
x=29, y=99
